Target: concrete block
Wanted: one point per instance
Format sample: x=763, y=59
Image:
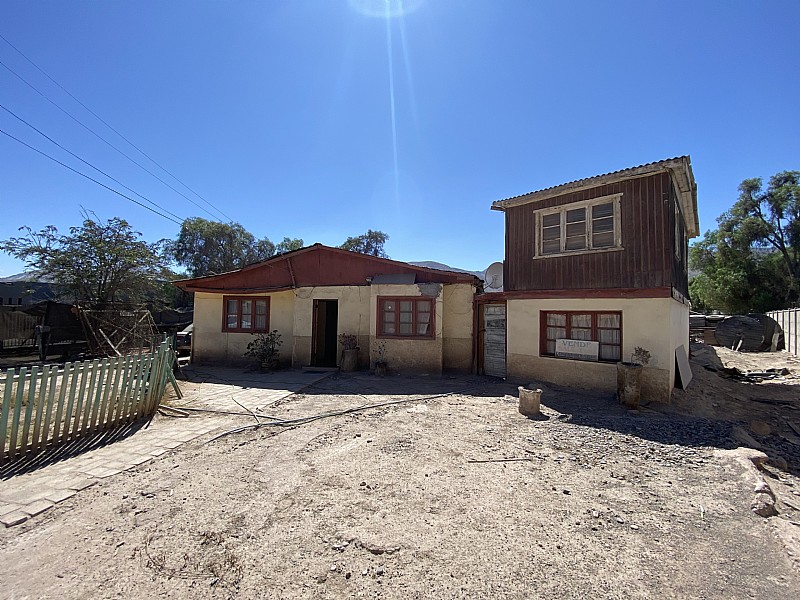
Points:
x=60, y=495
x=36, y=508
x=14, y=518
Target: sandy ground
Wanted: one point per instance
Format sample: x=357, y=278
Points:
x=449, y=494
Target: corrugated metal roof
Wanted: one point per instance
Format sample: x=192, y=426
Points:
x=588, y=180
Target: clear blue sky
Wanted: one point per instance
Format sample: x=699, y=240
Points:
x=280, y=113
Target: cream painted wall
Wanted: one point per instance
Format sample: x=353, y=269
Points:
x=413, y=354
x=656, y=324
x=211, y=344
x=457, y=326
x=354, y=317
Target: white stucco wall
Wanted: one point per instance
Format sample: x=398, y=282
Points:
x=659, y=325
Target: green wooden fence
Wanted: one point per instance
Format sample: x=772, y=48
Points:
x=50, y=406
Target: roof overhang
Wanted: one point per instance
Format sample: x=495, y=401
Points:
x=679, y=168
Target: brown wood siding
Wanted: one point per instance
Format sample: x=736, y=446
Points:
x=680, y=275
x=646, y=231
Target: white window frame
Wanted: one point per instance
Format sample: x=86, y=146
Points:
x=587, y=204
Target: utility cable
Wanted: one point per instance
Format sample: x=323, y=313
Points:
x=101, y=138
x=110, y=189
x=40, y=132
x=104, y=122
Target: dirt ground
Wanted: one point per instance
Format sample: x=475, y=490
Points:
x=449, y=494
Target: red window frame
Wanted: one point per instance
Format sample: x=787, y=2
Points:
x=595, y=329
x=239, y=315
x=415, y=322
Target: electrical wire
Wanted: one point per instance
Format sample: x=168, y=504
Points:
x=40, y=132
x=66, y=166
x=105, y=141
x=107, y=124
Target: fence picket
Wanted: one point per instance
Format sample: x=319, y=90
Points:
x=37, y=420
x=7, y=395
x=26, y=426
x=12, y=444
x=49, y=409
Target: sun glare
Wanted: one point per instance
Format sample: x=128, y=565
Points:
x=387, y=9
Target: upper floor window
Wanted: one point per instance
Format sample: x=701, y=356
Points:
x=405, y=317
x=246, y=314
x=579, y=227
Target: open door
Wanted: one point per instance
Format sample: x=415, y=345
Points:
x=324, y=326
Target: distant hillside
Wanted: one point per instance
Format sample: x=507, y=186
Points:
x=430, y=264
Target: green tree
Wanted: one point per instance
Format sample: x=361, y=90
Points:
x=209, y=248
x=751, y=262
x=369, y=243
x=288, y=244
x=96, y=263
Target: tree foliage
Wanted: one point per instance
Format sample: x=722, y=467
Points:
x=751, y=262
x=288, y=244
x=208, y=248
x=371, y=243
x=96, y=263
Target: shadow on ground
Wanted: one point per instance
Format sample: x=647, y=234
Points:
x=51, y=456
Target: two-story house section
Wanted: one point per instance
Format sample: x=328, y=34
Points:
x=604, y=260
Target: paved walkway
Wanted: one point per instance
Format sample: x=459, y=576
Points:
x=31, y=493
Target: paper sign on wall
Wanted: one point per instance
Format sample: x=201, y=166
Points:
x=577, y=349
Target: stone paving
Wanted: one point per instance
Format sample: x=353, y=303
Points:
x=31, y=493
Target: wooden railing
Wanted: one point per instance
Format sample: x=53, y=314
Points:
x=789, y=320
x=50, y=406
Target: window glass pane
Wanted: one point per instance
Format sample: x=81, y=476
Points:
x=603, y=210
x=261, y=307
x=231, y=321
x=405, y=317
x=603, y=240
x=608, y=336
x=608, y=320
x=423, y=328
x=574, y=229
x=551, y=220
x=556, y=333
x=551, y=233
x=576, y=243
x=405, y=306
x=551, y=347
x=601, y=225
x=609, y=352
x=405, y=329
x=579, y=320
x=388, y=306
x=423, y=306
x=261, y=322
x=232, y=314
x=551, y=247
x=247, y=307
x=577, y=333
x=558, y=319
x=576, y=214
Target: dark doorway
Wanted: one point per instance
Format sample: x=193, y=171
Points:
x=323, y=335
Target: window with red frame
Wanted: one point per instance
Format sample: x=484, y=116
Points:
x=245, y=314
x=405, y=317
x=602, y=327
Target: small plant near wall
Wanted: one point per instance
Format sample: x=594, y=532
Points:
x=348, y=341
x=640, y=356
x=380, y=359
x=266, y=348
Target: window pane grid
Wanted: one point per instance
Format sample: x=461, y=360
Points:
x=590, y=227
x=246, y=314
x=604, y=328
x=406, y=318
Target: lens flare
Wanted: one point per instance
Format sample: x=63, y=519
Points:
x=385, y=9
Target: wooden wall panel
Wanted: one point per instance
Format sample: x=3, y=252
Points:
x=646, y=229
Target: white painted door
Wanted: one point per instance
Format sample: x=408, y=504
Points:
x=494, y=340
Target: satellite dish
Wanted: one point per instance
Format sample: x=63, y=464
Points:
x=494, y=276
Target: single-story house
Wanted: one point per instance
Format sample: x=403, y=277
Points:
x=421, y=318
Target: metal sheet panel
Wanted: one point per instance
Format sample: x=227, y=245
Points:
x=494, y=340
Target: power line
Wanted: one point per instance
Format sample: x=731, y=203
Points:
x=42, y=133
x=107, y=124
x=101, y=138
x=100, y=183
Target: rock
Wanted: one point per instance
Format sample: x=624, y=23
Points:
x=379, y=571
x=763, y=505
x=779, y=463
x=322, y=578
x=760, y=428
x=740, y=436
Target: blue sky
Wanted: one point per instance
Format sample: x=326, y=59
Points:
x=280, y=113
